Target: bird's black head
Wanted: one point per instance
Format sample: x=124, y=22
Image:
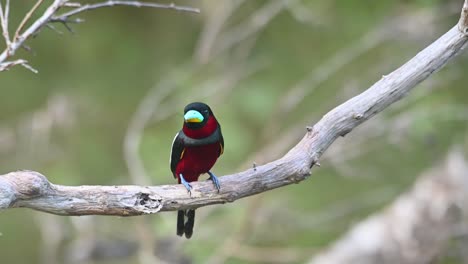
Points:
x=196, y=115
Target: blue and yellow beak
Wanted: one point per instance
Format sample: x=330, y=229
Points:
x=193, y=116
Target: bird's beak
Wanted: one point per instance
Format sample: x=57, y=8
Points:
x=193, y=116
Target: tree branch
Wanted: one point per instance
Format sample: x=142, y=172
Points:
x=4, y=17
x=32, y=190
x=39, y=23
x=50, y=15
x=26, y=18
x=64, y=17
x=8, y=64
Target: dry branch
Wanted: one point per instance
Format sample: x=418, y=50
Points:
x=8, y=64
x=51, y=14
x=32, y=190
x=4, y=16
x=26, y=18
x=66, y=16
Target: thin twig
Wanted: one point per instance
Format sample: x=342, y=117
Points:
x=39, y=23
x=65, y=16
x=4, y=16
x=50, y=15
x=27, y=17
x=8, y=64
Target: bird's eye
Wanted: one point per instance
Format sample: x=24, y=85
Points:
x=206, y=111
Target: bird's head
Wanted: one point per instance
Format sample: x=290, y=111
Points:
x=196, y=115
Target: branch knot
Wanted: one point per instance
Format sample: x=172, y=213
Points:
x=28, y=184
x=148, y=204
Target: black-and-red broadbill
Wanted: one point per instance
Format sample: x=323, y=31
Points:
x=195, y=149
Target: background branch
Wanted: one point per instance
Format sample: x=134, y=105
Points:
x=51, y=15
x=4, y=16
x=8, y=64
x=66, y=16
x=26, y=18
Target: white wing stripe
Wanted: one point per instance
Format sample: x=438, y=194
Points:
x=172, y=146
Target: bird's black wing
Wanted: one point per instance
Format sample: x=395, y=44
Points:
x=177, y=152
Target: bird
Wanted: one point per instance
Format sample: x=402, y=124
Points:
x=195, y=150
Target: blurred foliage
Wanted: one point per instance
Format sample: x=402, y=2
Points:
x=102, y=71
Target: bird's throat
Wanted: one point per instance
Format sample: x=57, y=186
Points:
x=202, y=132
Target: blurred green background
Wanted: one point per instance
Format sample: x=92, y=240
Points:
x=268, y=69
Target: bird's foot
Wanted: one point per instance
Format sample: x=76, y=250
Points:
x=215, y=180
x=187, y=185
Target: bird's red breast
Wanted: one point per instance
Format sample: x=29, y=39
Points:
x=203, y=132
x=197, y=160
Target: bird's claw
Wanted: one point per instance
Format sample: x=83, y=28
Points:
x=215, y=180
x=186, y=184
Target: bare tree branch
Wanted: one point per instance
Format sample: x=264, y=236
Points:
x=66, y=16
x=32, y=190
x=51, y=15
x=4, y=16
x=39, y=23
x=8, y=64
x=27, y=17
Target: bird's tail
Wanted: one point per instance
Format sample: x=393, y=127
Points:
x=180, y=222
x=182, y=225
